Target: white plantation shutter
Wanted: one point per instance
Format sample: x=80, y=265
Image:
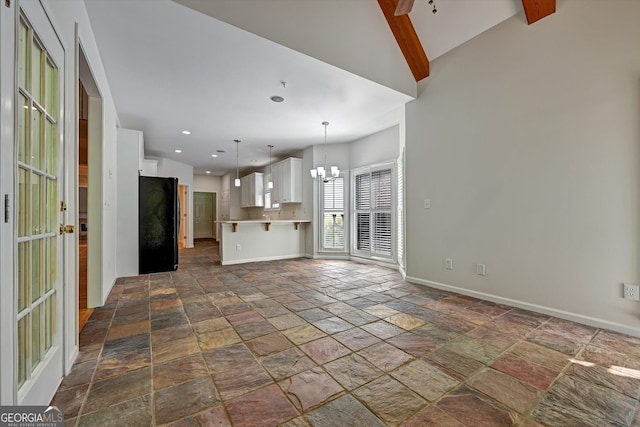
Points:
x=333, y=214
x=373, y=212
x=363, y=191
x=363, y=234
x=334, y=194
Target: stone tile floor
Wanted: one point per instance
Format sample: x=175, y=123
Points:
x=336, y=344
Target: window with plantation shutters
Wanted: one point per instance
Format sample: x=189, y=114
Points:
x=333, y=215
x=373, y=212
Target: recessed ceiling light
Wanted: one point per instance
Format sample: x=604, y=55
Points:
x=208, y=172
x=214, y=155
x=178, y=151
x=277, y=98
x=186, y=132
x=254, y=161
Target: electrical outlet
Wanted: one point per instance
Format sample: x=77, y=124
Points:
x=481, y=269
x=427, y=203
x=631, y=292
x=238, y=247
x=448, y=264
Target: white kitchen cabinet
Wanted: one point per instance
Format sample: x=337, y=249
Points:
x=287, y=181
x=252, y=190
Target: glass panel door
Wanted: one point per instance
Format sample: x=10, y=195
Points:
x=38, y=187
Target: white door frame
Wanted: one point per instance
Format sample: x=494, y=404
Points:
x=7, y=229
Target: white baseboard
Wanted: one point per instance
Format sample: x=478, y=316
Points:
x=330, y=256
x=381, y=263
x=71, y=359
x=566, y=315
x=105, y=296
x=261, y=259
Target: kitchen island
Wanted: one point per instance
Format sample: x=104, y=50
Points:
x=255, y=240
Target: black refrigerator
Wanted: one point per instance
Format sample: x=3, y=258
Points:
x=159, y=224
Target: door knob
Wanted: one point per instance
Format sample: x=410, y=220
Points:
x=66, y=229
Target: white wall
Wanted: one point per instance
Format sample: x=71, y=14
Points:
x=207, y=184
x=324, y=30
x=379, y=147
x=527, y=141
x=309, y=198
x=170, y=169
x=235, y=211
x=127, y=232
x=65, y=14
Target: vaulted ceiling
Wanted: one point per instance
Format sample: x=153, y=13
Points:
x=211, y=66
x=397, y=12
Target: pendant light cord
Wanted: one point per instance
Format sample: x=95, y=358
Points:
x=237, y=148
x=325, y=124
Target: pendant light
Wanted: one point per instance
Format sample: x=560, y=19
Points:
x=321, y=171
x=270, y=182
x=237, y=181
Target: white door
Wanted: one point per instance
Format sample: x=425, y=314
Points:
x=37, y=245
x=203, y=215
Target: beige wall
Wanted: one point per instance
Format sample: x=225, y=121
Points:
x=527, y=141
x=207, y=184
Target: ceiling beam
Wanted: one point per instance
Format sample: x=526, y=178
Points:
x=407, y=39
x=535, y=10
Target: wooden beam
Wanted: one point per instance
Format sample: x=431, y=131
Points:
x=535, y=10
x=407, y=39
x=404, y=7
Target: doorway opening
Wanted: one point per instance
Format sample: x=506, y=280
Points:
x=89, y=191
x=204, y=215
x=84, y=312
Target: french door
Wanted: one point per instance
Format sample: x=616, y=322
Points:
x=38, y=352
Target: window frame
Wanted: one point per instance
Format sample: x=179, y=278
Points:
x=370, y=253
x=345, y=217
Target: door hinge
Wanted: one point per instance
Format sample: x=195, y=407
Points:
x=7, y=3
x=63, y=206
x=6, y=208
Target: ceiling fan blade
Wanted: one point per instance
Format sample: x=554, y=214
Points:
x=403, y=7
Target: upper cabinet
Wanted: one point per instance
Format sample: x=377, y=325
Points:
x=287, y=181
x=251, y=190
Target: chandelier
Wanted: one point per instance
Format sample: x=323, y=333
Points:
x=320, y=172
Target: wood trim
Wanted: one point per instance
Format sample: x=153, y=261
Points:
x=535, y=10
x=83, y=176
x=407, y=39
x=182, y=232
